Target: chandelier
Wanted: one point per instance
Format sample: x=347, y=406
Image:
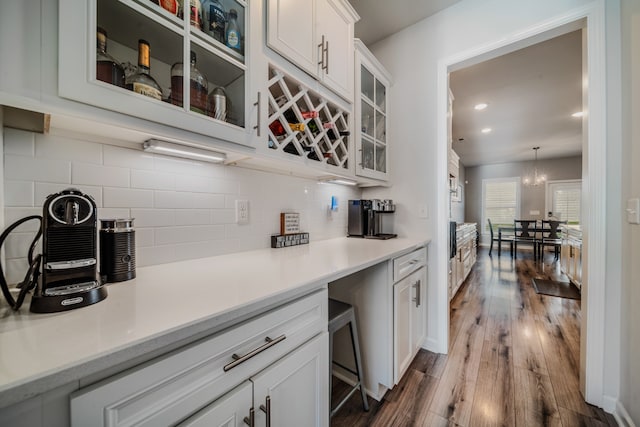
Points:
x=536, y=178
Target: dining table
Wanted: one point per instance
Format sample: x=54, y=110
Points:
x=538, y=235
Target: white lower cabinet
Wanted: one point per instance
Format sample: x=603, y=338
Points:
x=228, y=411
x=409, y=319
x=281, y=355
x=301, y=377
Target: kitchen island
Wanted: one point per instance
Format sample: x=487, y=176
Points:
x=167, y=307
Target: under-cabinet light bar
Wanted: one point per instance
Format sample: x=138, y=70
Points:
x=184, y=151
x=342, y=181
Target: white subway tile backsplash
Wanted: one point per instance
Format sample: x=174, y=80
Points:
x=225, y=216
x=152, y=180
x=11, y=215
x=153, y=217
x=36, y=169
x=144, y=236
x=18, y=142
x=127, y=158
x=127, y=197
x=187, y=167
x=43, y=190
x=114, y=213
x=193, y=216
x=16, y=269
x=18, y=193
x=183, y=209
x=88, y=174
x=173, y=235
x=56, y=147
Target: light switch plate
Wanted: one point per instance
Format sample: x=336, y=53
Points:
x=534, y=213
x=242, y=211
x=633, y=211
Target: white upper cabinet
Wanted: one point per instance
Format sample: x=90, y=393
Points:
x=371, y=115
x=220, y=108
x=319, y=40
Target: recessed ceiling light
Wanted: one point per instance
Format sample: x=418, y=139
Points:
x=577, y=114
x=481, y=106
x=486, y=130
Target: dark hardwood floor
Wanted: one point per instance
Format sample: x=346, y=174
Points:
x=513, y=360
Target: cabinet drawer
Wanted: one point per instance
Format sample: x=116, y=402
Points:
x=169, y=389
x=407, y=264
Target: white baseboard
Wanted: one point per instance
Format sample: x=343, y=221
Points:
x=622, y=416
x=431, y=345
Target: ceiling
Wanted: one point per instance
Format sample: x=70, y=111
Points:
x=531, y=94
x=381, y=18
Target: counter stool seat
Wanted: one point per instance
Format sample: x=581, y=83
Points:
x=340, y=315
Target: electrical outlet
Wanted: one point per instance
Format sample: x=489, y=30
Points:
x=242, y=211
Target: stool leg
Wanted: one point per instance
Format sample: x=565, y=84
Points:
x=330, y=365
x=356, y=351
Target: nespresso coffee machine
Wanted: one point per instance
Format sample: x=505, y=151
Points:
x=365, y=218
x=69, y=257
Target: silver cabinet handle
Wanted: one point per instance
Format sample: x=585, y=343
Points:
x=237, y=360
x=267, y=410
x=417, y=298
x=257, y=104
x=251, y=419
x=326, y=51
x=321, y=46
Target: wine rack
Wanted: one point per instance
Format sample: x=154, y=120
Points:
x=305, y=124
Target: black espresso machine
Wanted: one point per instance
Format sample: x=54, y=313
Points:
x=65, y=276
x=365, y=218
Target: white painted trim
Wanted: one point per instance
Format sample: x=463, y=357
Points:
x=594, y=298
x=622, y=416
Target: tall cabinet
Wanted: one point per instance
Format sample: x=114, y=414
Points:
x=371, y=115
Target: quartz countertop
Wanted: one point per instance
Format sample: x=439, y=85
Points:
x=169, y=304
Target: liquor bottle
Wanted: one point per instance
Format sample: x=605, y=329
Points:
x=169, y=5
x=199, y=87
x=233, y=34
x=299, y=127
x=309, y=114
x=107, y=68
x=195, y=13
x=142, y=82
x=214, y=19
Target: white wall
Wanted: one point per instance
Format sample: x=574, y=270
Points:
x=183, y=209
x=630, y=315
x=413, y=57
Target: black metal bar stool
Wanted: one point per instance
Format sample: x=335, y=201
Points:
x=340, y=315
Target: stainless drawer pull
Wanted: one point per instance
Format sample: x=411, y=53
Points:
x=267, y=410
x=416, y=286
x=257, y=104
x=237, y=360
x=251, y=419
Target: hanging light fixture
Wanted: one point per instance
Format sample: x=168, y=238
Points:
x=536, y=178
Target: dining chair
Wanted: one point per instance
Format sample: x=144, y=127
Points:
x=503, y=239
x=525, y=232
x=550, y=236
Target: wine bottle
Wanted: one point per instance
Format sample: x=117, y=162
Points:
x=299, y=127
x=107, y=68
x=142, y=82
x=309, y=114
x=276, y=128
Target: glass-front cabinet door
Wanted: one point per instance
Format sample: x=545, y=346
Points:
x=175, y=62
x=372, y=83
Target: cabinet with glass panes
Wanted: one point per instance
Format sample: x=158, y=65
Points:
x=371, y=115
x=129, y=56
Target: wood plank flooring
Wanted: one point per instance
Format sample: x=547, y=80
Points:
x=513, y=361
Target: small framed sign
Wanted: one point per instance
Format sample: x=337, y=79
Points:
x=289, y=223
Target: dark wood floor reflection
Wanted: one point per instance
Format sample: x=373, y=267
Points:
x=513, y=359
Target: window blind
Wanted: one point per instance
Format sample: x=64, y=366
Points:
x=566, y=204
x=500, y=202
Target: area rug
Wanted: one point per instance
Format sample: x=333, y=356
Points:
x=556, y=289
